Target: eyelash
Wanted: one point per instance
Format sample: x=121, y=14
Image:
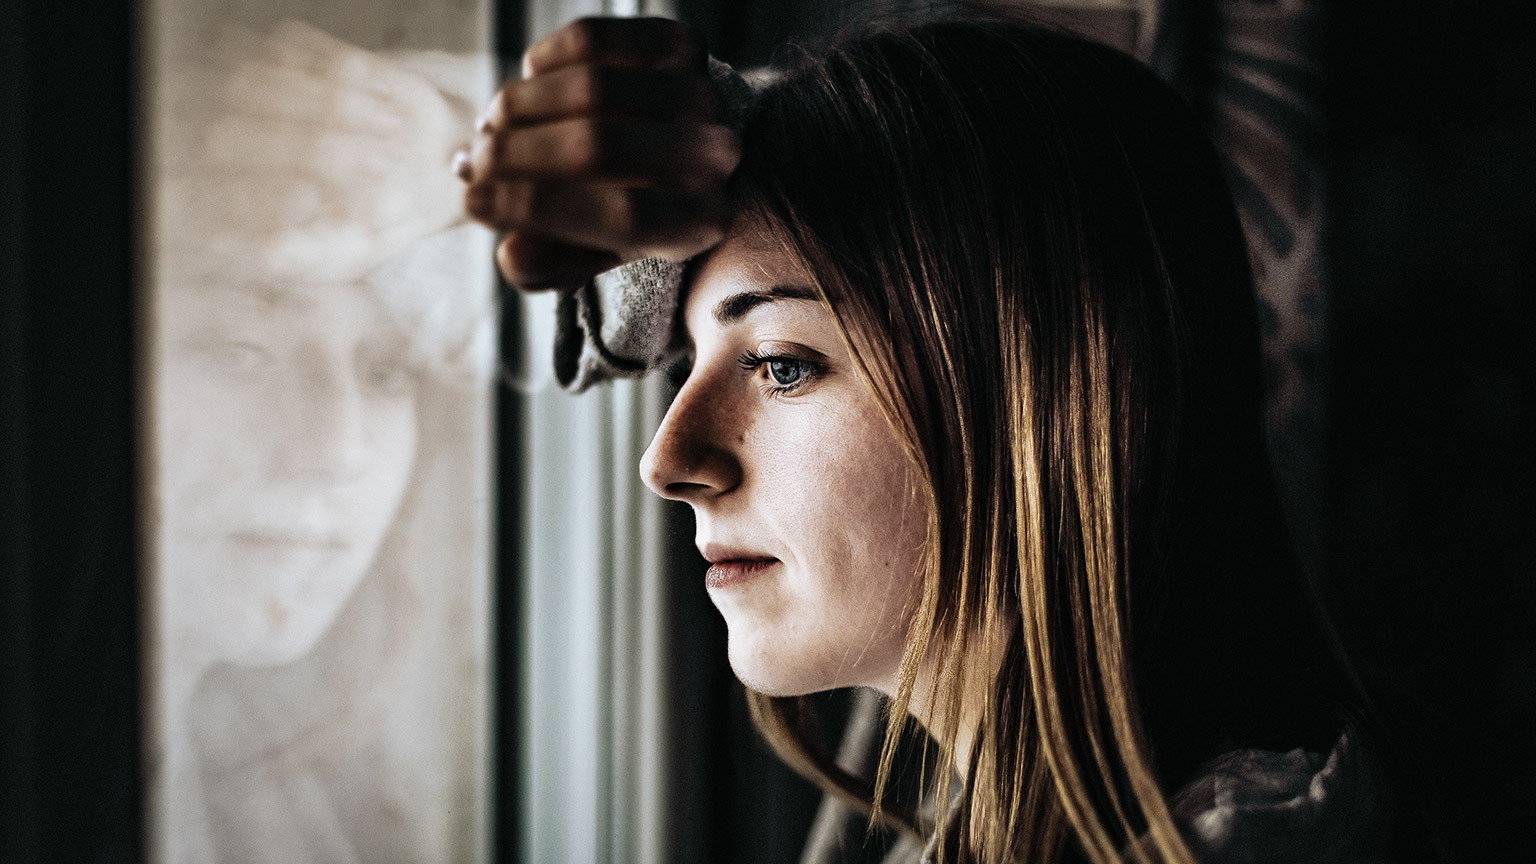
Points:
x=751, y=360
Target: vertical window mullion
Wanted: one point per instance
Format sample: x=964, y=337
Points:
x=71, y=656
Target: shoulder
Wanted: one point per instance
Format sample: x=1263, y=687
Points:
x=1260, y=806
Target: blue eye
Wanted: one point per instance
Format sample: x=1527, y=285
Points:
x=783, y=374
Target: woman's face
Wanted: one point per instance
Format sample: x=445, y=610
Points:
x=804, y=500
x=288, y=436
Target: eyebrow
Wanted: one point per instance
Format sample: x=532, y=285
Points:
x=735, y=307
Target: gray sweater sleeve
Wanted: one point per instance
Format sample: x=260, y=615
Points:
x=621, y=324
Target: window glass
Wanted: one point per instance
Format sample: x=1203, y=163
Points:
x=322, y=340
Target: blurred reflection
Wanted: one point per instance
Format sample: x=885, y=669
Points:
x=323, y=344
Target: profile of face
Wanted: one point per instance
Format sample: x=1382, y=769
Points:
x=805, y=501
x=288, y=438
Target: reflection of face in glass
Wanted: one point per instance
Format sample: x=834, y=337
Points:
x=321, y=330
x=288, y=440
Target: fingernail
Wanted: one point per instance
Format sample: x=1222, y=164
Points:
x=461, y=167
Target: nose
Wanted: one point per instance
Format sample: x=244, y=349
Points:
x=327, y=438
x=693, y=456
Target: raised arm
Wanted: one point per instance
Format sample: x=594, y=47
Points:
x=609, y=150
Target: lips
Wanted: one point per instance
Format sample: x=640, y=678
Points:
x=726, y=574
x=730, y=566
x=278, y=537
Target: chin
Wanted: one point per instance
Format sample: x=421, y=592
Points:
x=769, y=685
x=270, y=651
x=777, y=672
x=275, y=643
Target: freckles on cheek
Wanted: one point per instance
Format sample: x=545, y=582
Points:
x=839, y=490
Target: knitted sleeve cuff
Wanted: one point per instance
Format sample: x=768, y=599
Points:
x=621, y=324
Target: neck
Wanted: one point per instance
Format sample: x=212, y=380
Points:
x=928, y=705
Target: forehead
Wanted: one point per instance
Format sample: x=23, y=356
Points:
x=340, y=311
x=267, y=297
x=749, y=262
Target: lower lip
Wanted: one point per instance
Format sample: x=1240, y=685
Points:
x=726, y=574
x=293, y=541
x=278, y=548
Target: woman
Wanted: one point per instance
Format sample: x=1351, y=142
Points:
x=319, y=384
x=973, y=418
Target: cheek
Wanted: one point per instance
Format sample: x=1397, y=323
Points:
x=212, y=439
x=884, y=525
x=846, y=502
x=840, y=497
x=392, y=424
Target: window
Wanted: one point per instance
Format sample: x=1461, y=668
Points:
x=318, y=357
x=254, y=610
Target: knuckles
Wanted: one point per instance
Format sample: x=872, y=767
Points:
x=574, y=157
x=599, y=149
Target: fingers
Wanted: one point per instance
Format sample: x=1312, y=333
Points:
x=657, y=43
x=601, y=91
x=630, y=152
x=628, y=222
x=535, y=263
x=609, y=150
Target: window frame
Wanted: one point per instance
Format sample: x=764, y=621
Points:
x=71, y=720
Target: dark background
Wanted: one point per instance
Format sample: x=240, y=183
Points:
x=1426, y=383
x=1432, y=398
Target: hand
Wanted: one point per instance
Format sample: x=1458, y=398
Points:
x=608, y=151
x=295, y=155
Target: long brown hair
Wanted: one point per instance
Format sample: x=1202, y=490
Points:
x=1036, y=265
